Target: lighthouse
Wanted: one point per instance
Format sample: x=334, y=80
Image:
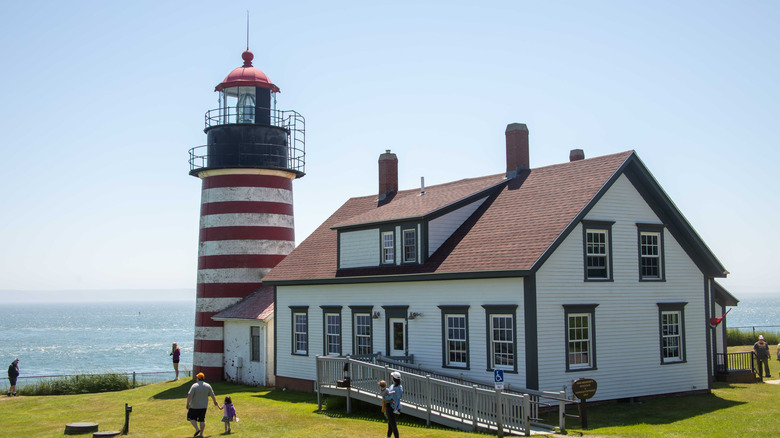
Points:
x=253, y=153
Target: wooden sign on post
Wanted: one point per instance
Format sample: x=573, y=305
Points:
x=584, y=389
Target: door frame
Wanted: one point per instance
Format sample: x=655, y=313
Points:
x=396, y=312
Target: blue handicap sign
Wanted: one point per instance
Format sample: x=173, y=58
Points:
x=498, y=376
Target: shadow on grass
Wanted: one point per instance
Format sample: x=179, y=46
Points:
x=655, y=411
x=288, y=396
x=220, y=388
x=336, y=407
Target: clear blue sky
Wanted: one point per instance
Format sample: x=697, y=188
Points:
x=102, y=101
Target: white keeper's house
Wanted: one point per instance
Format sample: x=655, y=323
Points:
x=584, y=269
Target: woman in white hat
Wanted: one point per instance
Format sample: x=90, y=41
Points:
x=393, y=395
x=761, y=353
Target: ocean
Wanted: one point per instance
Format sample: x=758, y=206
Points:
x=85, y=338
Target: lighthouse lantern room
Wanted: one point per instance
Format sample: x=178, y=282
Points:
x=253, y=152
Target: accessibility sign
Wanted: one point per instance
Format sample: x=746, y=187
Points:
x=498, y=377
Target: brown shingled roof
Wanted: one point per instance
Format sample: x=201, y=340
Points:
x=257, y=305
x=410, y=204
x=512, y=231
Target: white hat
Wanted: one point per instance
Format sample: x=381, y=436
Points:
x=761, y=337
x=395, y=375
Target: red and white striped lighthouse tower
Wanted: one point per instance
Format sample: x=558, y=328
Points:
x=252, y=155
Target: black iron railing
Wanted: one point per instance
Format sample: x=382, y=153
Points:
x=291, y=121
x=729, y=362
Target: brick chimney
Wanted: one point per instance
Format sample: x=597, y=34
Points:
x=576, y=155
x=516, y=148
x=388, y=174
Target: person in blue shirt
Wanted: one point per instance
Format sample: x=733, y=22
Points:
x=393, y=396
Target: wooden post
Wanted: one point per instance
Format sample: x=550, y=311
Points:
x=349, y=395
x=319, y=383
x=499, y=414
x=474, y=408
x=428, y=398
x=562, y=412
x=583, y=408
x=527, y=414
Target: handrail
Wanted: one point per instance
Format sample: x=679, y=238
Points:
x=436, y=398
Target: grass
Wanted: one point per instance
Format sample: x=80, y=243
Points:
x=159, y=411
x=731, y=410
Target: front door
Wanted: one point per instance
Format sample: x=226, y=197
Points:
x=397, y=336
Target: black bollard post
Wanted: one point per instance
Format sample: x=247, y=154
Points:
x=126, y=428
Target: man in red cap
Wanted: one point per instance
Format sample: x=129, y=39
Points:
x=198, y=402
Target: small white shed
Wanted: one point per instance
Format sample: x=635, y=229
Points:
x=249, y=339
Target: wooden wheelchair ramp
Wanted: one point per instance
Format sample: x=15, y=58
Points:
x=453, y=405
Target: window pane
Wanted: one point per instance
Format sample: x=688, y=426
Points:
x=333, y=333
x=671, y=338
x=579, y=341
x=596, y=254
x=410, y=246
x=301, y=333
x=456, y=340
x=388, y=247
x=502, y=341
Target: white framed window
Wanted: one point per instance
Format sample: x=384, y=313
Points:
x=388, y=247
x=363, y=340
x=456, y=343
x=300, y=332
x=671, y=336
x=502, y=342
x=254, y=333
x=333, y=334
x=596, y=254
x=410, y=246
x=579, y=326
x=651, y=252
x=579, y=340
x=597, y=250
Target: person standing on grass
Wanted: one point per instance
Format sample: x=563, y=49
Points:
x=198, y=402
x=393, y=395
x=761, y=353
x=230, y=413
x=176, y=353
x=13, y=374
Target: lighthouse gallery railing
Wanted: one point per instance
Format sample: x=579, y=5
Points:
x=289, y=120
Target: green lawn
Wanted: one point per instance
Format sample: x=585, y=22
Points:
x=159, y=411
x=731, y=410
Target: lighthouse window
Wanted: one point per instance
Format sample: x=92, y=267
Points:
x=246, y=104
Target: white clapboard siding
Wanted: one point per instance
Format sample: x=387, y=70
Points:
x=627, y=344
x=238, y=343
x=424, y=333
x=359, y=248
x=441, y=228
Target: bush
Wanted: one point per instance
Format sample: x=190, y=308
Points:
x=746, y=337
x=85, y=384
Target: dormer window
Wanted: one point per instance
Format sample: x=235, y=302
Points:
x=410, y=246
x=388, y=247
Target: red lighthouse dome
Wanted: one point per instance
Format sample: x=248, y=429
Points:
x=247, y=76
